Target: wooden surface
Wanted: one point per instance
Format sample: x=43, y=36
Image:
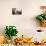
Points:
x=30, y=45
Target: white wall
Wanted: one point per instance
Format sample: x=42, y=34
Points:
x=26, y=22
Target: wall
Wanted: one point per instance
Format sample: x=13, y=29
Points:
x=25, y=23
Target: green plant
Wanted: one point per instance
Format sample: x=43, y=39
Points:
x=41, y=17
x=11, y=31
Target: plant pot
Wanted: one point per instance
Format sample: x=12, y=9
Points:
x=43, y=23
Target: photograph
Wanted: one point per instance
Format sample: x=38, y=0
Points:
x=16, y=11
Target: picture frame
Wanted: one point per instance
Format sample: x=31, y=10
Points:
x=16, y=11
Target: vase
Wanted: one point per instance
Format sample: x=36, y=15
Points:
x=13, y=38
x=43, y=23
x=9, y=41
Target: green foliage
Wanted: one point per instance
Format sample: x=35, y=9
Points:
x=11, y=31
x=45, y=17
x=41, y=17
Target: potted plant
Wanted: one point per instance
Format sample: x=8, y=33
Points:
x=10, y=31
x=42, y=17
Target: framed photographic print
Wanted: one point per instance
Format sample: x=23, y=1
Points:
x=16, y=11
